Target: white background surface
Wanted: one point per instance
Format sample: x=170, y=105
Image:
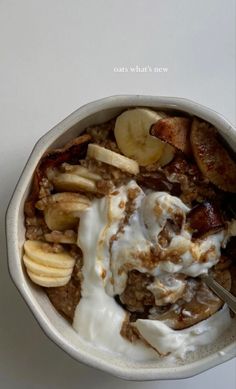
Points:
x=56, y=55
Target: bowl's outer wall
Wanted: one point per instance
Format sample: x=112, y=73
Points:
x=50, y=321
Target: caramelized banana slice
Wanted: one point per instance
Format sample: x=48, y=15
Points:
x=200, y=304
x=72, y=152
x=205, y=219
x=175, y=131
x=212, y=158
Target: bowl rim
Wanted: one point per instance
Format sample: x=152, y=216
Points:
x=115, y=101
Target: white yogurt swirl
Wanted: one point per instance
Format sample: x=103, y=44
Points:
x=117, y=234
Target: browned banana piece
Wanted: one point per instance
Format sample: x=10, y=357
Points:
x=71, y=153
x=212, y=157
x=202, y=305
x=175, y=131
x=205, y=219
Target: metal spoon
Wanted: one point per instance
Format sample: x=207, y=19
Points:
x=220, y=291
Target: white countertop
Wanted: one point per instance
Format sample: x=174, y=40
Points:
x=56, y=55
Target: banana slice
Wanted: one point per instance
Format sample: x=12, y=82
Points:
x=167, y=155
x=45, y=267
x=62, y=210
x=72, y=182
x=58, y=220
x=48, y=282
x=205, y=219
x=45, y=271
x=111, y=158
x=212, y=157
x=66, y=197
x=73, y=178
x=42, y=253
x=80, y=171
x=132, y=135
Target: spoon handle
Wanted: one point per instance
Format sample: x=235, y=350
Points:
x=220, y=291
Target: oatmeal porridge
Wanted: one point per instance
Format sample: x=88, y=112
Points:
x=122, y=222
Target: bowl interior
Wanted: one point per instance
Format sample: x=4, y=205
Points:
x=51, y=321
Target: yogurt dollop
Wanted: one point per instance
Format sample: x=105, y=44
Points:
x=121, y=232
x=166, y=341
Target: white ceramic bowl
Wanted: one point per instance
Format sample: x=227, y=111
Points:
x=53, y=324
